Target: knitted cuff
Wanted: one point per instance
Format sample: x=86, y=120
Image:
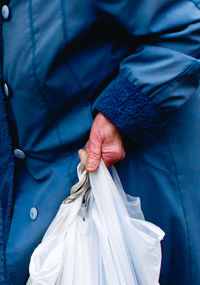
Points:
x=131, y=111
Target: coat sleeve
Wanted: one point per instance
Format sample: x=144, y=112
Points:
x=162, y=74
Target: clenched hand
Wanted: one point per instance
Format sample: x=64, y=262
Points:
x=105, y=141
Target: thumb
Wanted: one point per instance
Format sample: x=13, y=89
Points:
x=94, y=154
x=82, y=153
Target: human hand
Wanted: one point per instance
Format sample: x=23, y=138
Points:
x=105, y=141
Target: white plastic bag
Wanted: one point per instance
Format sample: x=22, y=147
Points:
x=98, y=237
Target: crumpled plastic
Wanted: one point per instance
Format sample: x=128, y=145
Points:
x=98, y=237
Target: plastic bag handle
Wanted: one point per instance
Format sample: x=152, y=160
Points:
x=83, y=186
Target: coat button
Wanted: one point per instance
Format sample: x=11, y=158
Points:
x=33, y=213
x=6, y=89
x=19, y=153
x=5, y=12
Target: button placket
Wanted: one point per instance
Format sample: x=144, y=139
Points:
x=6, y=89
x=5, y=15
x=19, y=153
x=33, y=213
x=5, y=11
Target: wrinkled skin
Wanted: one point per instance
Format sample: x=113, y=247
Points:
x=105, y=141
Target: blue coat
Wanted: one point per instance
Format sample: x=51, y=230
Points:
x=138, y=63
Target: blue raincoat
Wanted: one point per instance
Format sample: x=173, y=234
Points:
x=137, y=62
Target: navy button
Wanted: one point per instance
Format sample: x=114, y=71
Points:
x=6, y=89
x=5, y=12
x=33, y=213
x=19, y=153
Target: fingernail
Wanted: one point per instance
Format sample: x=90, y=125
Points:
x=81, y=152
x=91, y=166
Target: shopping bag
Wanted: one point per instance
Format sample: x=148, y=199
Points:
x=98, y=237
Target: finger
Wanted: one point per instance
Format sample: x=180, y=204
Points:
x=87, y=147
x=113, y=155
x=94, y=153
x=82, y=153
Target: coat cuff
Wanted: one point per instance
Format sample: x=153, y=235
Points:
x=131, y=111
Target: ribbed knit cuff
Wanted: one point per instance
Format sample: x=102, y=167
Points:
x=131, y=111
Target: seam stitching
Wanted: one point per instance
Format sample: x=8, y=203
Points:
x=175, y=79
x=197, y=3
x=63, y=19
x=33, y=45
x=183, y=208
x=38, y=86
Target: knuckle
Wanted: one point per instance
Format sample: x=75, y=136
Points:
x=118, y=153
x=114, y=155
x=123, y=154
x=94, y=156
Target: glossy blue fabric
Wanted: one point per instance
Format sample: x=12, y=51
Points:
x=138, y=63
